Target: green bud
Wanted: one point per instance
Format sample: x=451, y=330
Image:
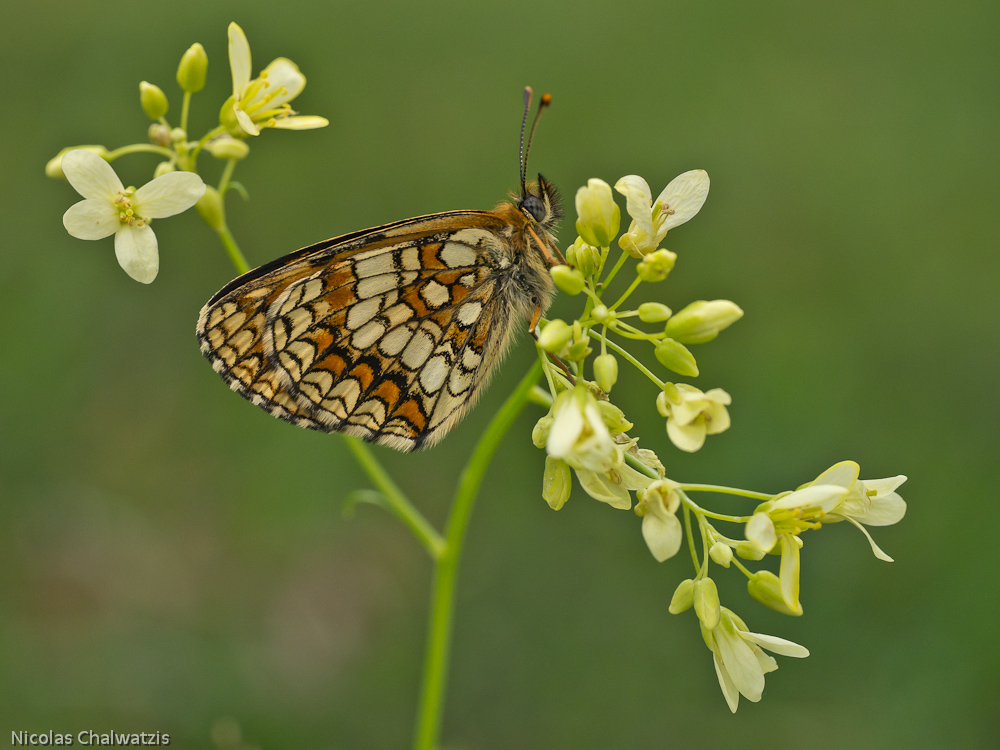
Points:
x=702, y=321
x=653, y=312
x=598, y=214
x=683, y=597
x=706, y=602
x=211, y=209
x=586, y=258
x=164, y=167
x=721, y=553
x=613, y=418
x=227, y=148
x=191, y=72
x=178, y=135
x=153, y=100
x=606, y=371
x=570, y=280
x=765, y=587
x=578, y=351
x=555, y=336
x=749, y=551
x=53, y=168
x=656, y=265
x=540, y=432
x=602, y=314
x=159, y=134
x=557, y=481
x=675, y=356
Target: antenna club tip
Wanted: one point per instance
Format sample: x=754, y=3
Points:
x=546, y=100
x=528, y=93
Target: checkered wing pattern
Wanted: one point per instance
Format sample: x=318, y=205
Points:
x=388, y=334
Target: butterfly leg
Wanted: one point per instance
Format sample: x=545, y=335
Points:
x=547, y=252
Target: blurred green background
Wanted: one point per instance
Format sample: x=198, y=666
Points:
x=173, y=560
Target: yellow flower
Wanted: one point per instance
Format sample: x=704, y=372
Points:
x=263, y=101
x=691, y=414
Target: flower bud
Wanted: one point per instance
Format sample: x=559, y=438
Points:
x=702, y=321
x=227, y=147
x=675, y=356
x=569, y=280
x=683, y=597
x=765, y=587
x=540, y=432
x=662, y=491
x=192, y=69
x=557, y=481
x=613, y=418
x=598, y=214
x=555, y=336
x=153, y=100
x=227, y=117
x=178, y=135
x=164, y=167
x=159, y=134
x=211, y=209
x=584, y=257
x=53, y=168
x=656, y=266
x=653, y=312
x=579, y=351
x=706, y=602
x=749, y=551
x=721, y=553
x=601, y=313
x=606, y=371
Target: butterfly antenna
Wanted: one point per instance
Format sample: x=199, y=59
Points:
x=542, y=106
x=524, y=121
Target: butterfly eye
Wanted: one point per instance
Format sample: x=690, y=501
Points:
x=534, y=206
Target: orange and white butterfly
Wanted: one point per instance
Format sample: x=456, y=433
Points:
x=389, y=334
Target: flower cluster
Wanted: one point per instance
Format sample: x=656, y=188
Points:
x=585, y=434
x=110, y=208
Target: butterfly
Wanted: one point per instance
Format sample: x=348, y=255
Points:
x=389, y=334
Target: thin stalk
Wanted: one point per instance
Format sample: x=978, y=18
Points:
x=136, y=148
x=185, y=108
x=398, y=504
x=614, y=271
x=229, y=242
x=430, y=712
x=725, y=491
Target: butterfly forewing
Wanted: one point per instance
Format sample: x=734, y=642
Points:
x=388, y=335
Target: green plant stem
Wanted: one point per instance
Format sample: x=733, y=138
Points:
x=185, y=108
x=137, y=148
x=233, y=249
x=725, y=491
x=398, y=504
x=614, y=271
x=432, y=693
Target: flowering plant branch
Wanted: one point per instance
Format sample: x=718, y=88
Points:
x=582, y=432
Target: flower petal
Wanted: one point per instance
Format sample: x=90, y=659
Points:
x=689, y=437
x=600, y=487
x=875, y=548
x=739, y=661
x=776, y=645
x=789, y=571
x=91, y=219
x=729, y=690
x=284, y=79
x=137, y=253
x=685, y=195
x=844, y=473
x=663, y=534
x=90, y=175
x=300, y=122
x=168, y=194
x=239, y=59
x=822, y=496
x=245, y=121
x=639, y=201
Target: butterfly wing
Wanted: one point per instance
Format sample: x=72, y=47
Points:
x=387, y=334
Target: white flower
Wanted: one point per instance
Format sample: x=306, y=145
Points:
x=873, y=502
x=740, y=662
x=691, y=415
x=580, y=437
x=678, y=203
x=597, y=214
x=111, y=209
x=263, y=101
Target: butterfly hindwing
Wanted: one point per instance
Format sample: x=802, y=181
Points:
x=388, y=335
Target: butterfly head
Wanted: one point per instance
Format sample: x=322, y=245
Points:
x=541, y=203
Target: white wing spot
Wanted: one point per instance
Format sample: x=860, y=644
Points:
x=362, y=312
x=375, y=285
x=418, y=350
x=457, y=255
x=433, y=375
x=368, y=334
x=435, y=295
x=469, y=313
x=394, y=341
x=374, y=266
x=411, y=259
